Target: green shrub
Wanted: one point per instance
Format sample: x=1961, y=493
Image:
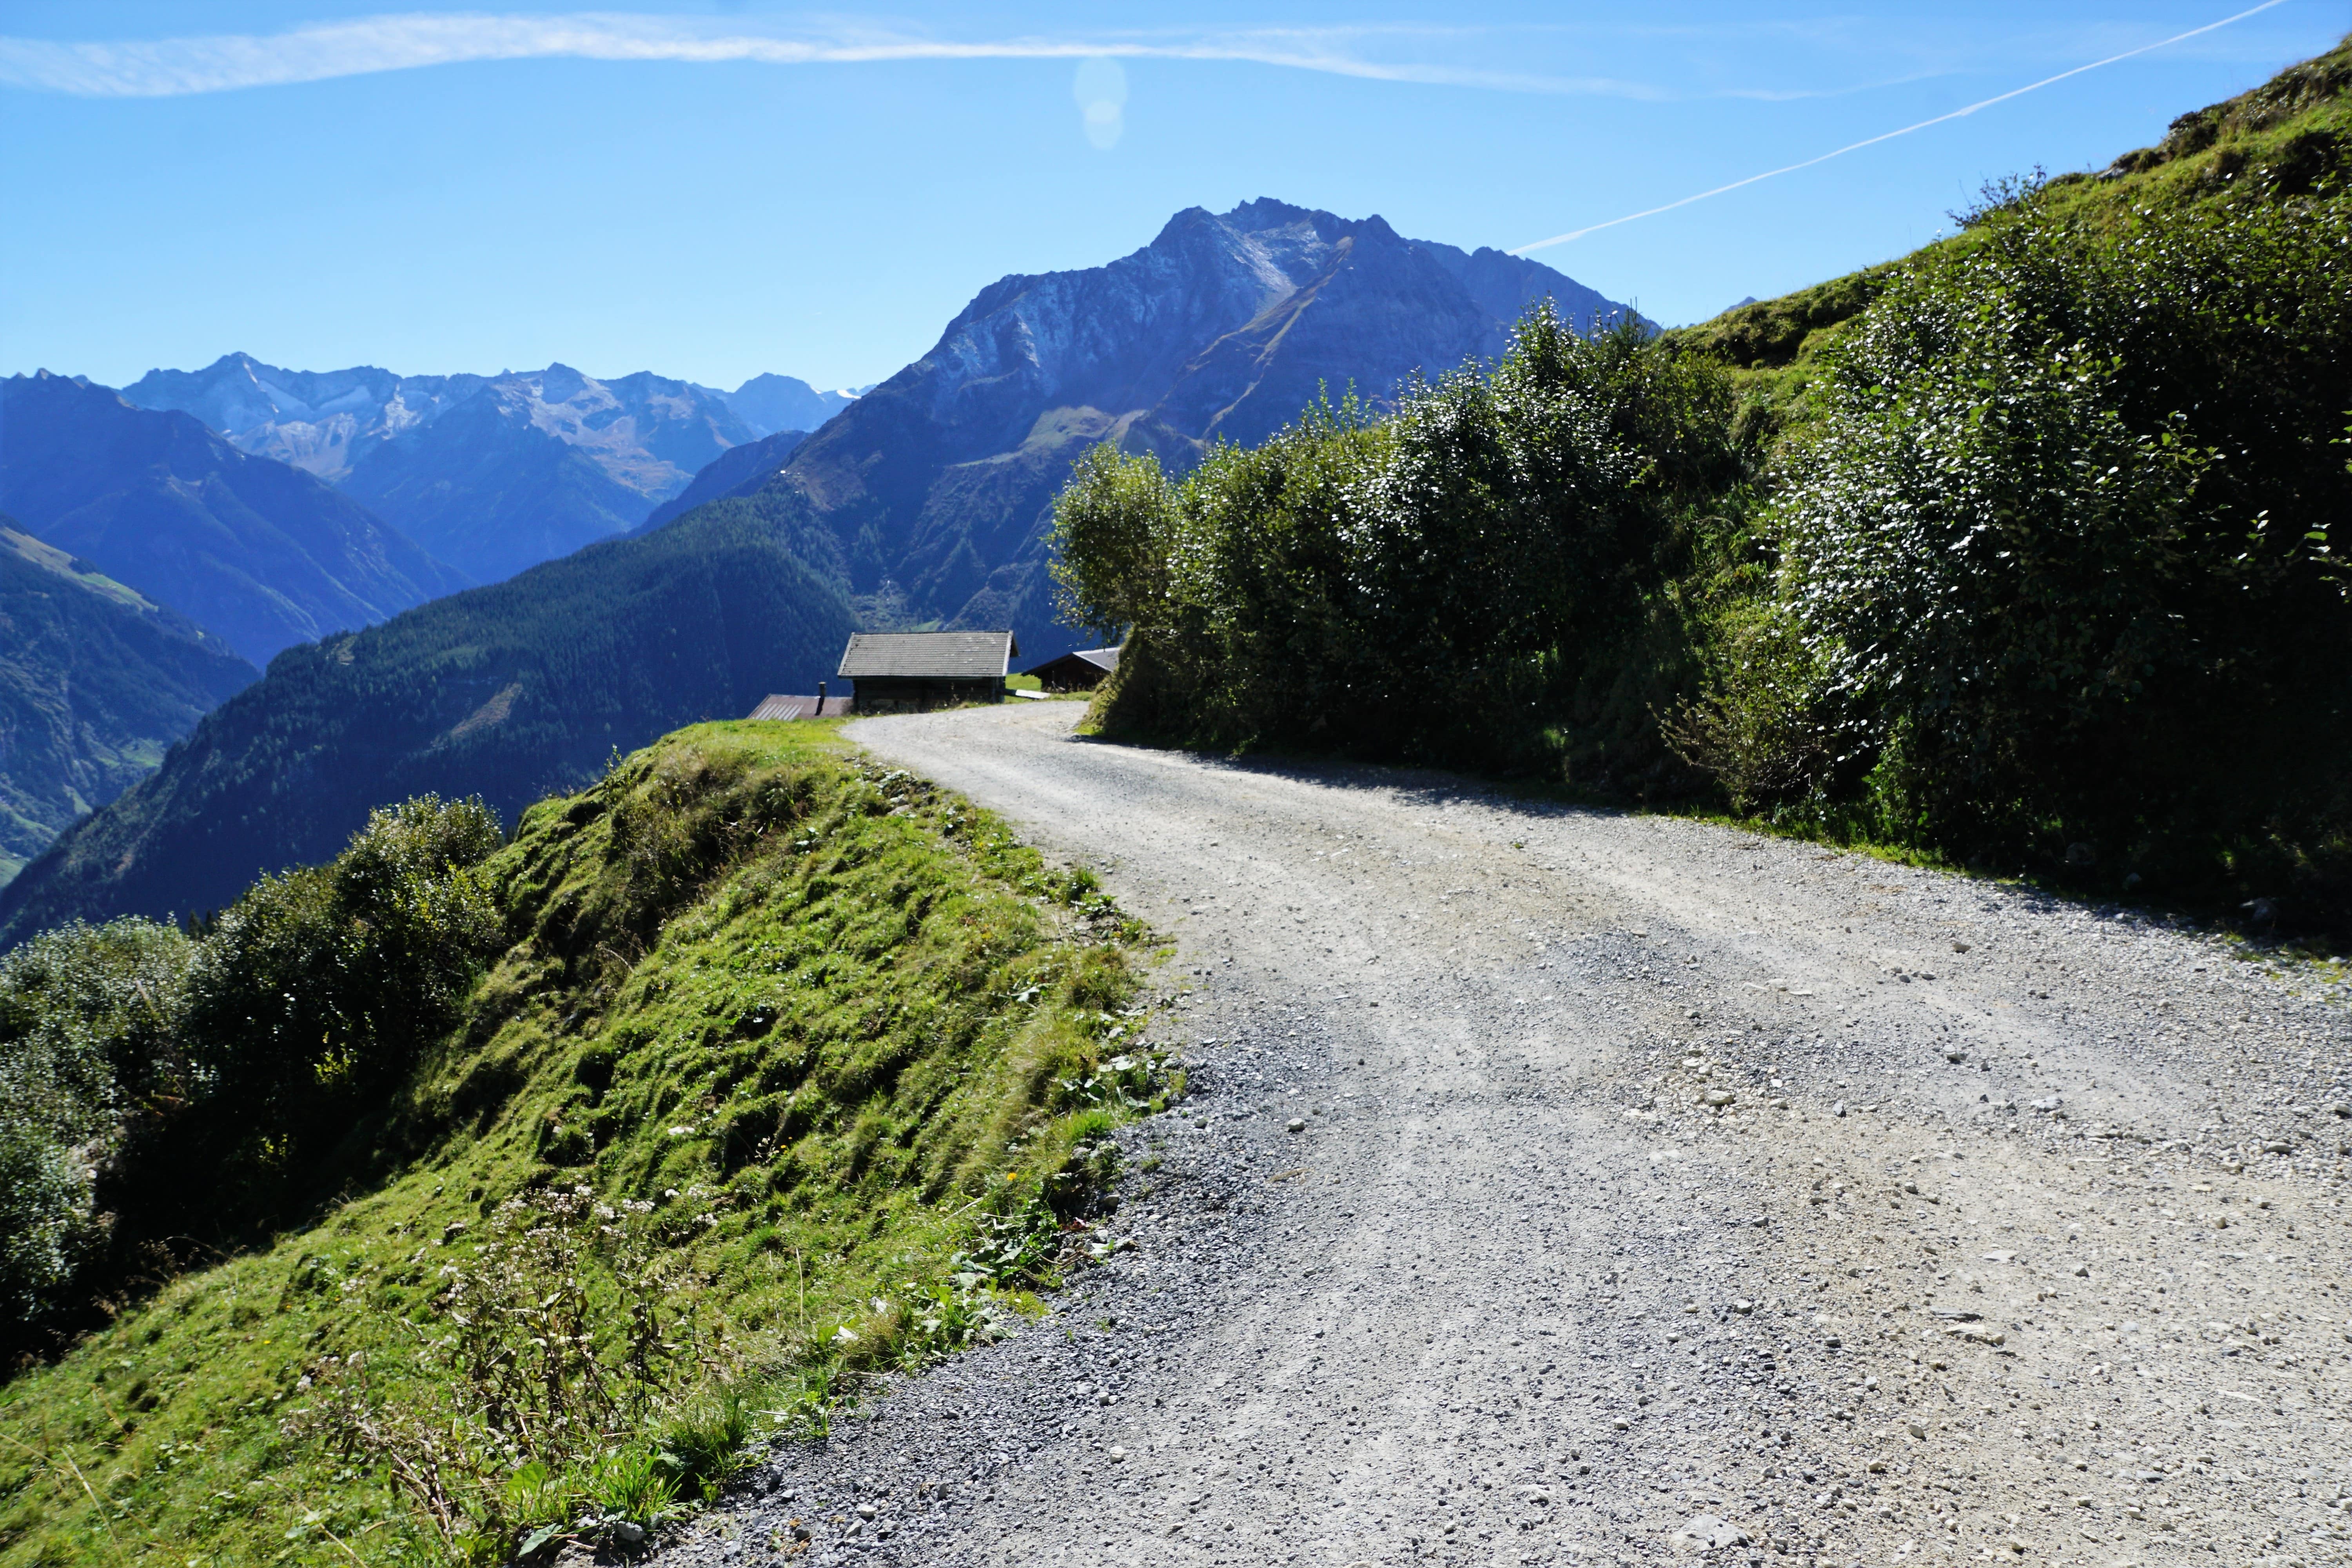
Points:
x=2056, y=580
x=157, y=1088
x=705, y=1445
x=1468, y=580
x=88, y=1039
x=310, y=998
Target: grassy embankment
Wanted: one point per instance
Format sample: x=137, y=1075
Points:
x=847, y=1046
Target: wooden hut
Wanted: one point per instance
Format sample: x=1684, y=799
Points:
x=1080, y=671
x=913, y=672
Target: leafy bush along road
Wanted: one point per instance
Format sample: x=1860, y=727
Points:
x=2018, y=551
x=1653, y=1187
x=549, y=1175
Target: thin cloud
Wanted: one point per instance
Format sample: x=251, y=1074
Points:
x=173, y=66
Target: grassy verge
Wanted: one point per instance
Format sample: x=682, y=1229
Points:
x=792, y=1070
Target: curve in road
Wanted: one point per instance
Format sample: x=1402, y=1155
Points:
x=1566, y=1186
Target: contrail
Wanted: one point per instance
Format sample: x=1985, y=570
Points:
x=1891, y=135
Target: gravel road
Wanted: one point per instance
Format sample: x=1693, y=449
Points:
x=1561, y=1186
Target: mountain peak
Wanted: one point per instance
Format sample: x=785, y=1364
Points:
x=1223, y=328
x=1264, y=210
x=770, y=404
x=559, y=383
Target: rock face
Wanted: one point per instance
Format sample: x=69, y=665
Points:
x=319, y=421
x=939, y=483
x=258, y=552
x=491, y=474
x=96, y=680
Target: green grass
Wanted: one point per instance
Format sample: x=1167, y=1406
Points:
x=839, y=1027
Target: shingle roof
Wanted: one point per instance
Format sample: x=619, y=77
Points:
x=941, y=656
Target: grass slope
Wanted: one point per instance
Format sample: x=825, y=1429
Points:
x=837, y=1028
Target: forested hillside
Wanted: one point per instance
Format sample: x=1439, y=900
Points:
x=739, y=471
x=2021, y=551
x=95, y=682
x=507, y=693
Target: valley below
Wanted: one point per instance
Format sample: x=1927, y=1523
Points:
x=1561, y=1185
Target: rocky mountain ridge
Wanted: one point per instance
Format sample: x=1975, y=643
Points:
x=939, y=483
x=494, y=473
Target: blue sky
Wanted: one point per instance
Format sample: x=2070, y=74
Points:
x=713, y=190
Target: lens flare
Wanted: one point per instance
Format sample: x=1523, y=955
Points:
x=1100, y=90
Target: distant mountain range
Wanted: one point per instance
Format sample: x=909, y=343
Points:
x=96, y=680
x=246, y=505
x=938, y=485
x=327, y=421
x=767, y=403
x=491, y=474
x=260, y=554
x=922, y=503
x=508, y=692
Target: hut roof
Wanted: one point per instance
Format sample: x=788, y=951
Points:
x=935, y=656
x=1103, y=658
x=775, y=706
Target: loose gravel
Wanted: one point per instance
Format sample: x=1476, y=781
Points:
x=1558, y=1186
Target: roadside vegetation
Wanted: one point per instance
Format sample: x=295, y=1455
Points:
x=463, y=1197
x=2017, y=553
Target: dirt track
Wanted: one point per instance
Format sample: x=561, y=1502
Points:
x=1977, y=1253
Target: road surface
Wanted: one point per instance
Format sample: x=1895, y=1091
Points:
x=1659, y=1192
